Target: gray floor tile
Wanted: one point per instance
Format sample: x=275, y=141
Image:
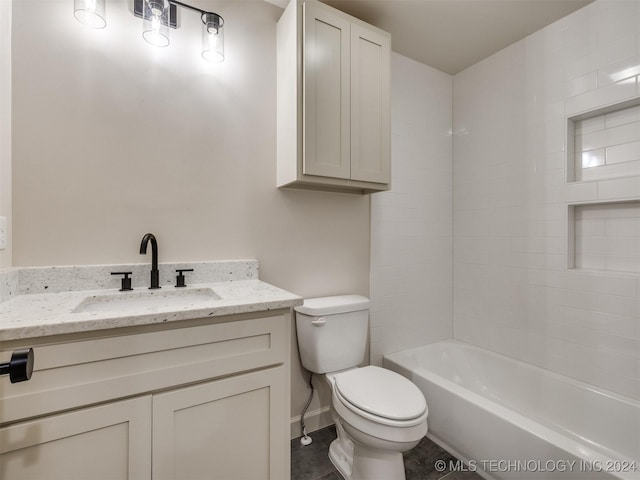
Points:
x=420, y=462
x=331, y=476
x=312, y=462
x=462, y=476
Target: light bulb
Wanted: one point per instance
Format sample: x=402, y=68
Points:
x=90, y=13
x=212, y=37
x=155, y=24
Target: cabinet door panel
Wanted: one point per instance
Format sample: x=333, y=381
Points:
x=227, y=429
x=370, y=124
x=108, y=442
x=326, y=92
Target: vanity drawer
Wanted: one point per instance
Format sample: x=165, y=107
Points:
x=73, y=371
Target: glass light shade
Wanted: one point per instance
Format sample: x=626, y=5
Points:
x=212, y=37
x=155, y=22
x=90, y=13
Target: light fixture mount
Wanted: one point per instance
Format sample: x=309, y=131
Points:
x=138, y=11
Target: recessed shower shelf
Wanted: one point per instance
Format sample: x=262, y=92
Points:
x=605, y=143
x=605, y=237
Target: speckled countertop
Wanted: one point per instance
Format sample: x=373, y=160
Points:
x=43, y=314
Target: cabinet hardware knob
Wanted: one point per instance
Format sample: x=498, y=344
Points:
x=20, y=367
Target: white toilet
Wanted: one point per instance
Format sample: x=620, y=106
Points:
x=378, y=413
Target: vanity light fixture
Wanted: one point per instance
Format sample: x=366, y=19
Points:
x=157, y=17
x=160, y=15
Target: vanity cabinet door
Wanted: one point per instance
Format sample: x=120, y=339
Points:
x=107, y=442
x=225, y=429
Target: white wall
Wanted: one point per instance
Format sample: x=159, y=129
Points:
x=113, y=138
x=5, y=126
x=513, y=292
x=411, y=225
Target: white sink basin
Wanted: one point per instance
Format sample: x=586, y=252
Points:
x=149, y=300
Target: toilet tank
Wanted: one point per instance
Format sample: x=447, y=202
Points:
x=332, y=332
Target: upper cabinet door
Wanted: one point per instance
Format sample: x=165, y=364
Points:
x=370, y=124
x=326, y=53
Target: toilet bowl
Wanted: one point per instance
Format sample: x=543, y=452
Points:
x=378, y=413
x=382, y=415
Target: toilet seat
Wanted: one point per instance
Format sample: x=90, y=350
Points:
x=381, y=396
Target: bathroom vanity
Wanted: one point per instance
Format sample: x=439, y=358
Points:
x=149, y=389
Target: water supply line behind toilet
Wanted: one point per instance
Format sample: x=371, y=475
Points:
x=306, y=439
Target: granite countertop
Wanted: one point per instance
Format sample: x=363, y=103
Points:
x=42, y=314
x=28, y=316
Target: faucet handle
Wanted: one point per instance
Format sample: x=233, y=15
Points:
x=126, y=281
x=180, y=277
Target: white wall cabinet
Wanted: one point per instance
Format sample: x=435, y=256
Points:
x=333, y=101
x=158, y=402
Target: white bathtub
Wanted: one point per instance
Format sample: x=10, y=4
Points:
x=511, y=420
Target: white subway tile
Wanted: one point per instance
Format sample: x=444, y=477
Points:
x=623, y=227
x=616, y=170
x=600, y=283
x=590, y=227
x=590, y=158
x=591, y=245
x=610, y=136
x=590, y=262
x=622, y=117
x=607, y=95
x=621, y=70
x=590, y=125
x=579, y=66
x=620, y=263
x=627, y=152
x=624, y=188
x=610, y=21
x=617, y=305
x=608, y=210
x=580, y=192
x=581, y=84
x=618, y=46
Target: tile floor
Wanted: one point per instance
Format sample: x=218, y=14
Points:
x=312, y=462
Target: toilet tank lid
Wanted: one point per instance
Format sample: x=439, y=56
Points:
x=316, y=307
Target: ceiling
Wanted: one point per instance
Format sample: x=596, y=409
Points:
x=451, y=35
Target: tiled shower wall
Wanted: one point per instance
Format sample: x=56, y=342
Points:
x=514, y=292
x=411, y=225
x=608, y=145
x=607, y=237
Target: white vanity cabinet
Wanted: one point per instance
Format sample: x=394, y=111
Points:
x=205, y=398
x=227, y=429
x=333, y=101
x=109, y=441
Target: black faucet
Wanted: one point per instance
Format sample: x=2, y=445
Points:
x=155, y=274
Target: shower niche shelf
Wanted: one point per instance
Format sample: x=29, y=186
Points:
x=604, y=144
x=605, y=237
